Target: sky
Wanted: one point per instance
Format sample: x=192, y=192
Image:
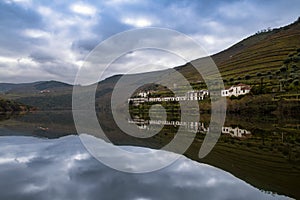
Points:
x=50, y=40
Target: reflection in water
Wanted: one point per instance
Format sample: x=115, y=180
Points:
x=268, y=160
x=236, y=132
x=33, y=168
x=41, y=124
x=195, y=127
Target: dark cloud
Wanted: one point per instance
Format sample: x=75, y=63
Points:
x=13, y=20
x=85, y=45
x=14, y=16
x=42, y=57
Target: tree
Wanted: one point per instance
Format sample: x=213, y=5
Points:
x=296, y=82
x=283, y=69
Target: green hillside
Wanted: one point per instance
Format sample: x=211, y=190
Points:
x=262, y=55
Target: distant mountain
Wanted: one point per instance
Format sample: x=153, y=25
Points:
x=47, y=85
x=5, y=87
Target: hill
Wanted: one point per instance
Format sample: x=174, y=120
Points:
x=35, y=87
x=260, y=55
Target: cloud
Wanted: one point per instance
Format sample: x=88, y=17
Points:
x=24, y=3
x=36, y=33
x=67, y=31
x=237, y=10
x=137, y=22
x=83, y=9
x=34, y=168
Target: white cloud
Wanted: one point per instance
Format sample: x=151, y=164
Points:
x=36, y=33
x=44, y=11
x=83, y=9
x=4, y=60
x=120, y=2
x=214, y=43
x=22, y=2
x=209, y=39
x=137, y=22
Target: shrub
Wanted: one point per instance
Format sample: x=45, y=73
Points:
x=269, y=84
x=270, y=77
x=294, y=69
x=257, y=90
x=283, y=69
x=231, y=79
x=296, y=82
x=296, y=59
x=285, y=151
x=258, y=74
x=247, y=77
x=286, y=61
x=289, y=80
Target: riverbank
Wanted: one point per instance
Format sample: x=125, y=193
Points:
x=9, y=106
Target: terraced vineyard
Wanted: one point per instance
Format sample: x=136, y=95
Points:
x=260, y=55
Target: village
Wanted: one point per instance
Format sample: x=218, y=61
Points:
x=194, y=95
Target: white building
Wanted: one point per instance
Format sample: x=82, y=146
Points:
x=188, y=126
x=240, y=89
x=44, y=91
x=143, y=94
x=196, y=94
x=193, y=95
x=236, y=132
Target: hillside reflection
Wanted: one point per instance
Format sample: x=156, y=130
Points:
x=268, y=158
x=32, y=168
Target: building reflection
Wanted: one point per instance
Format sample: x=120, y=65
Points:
x=195, y=127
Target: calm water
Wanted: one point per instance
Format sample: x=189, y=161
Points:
x=39, y=159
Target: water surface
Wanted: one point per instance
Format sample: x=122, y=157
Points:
x=41, y=157
x=35, y=168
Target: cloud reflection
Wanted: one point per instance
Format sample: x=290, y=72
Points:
x=33, y=168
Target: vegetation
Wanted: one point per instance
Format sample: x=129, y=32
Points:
x=11, y=106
